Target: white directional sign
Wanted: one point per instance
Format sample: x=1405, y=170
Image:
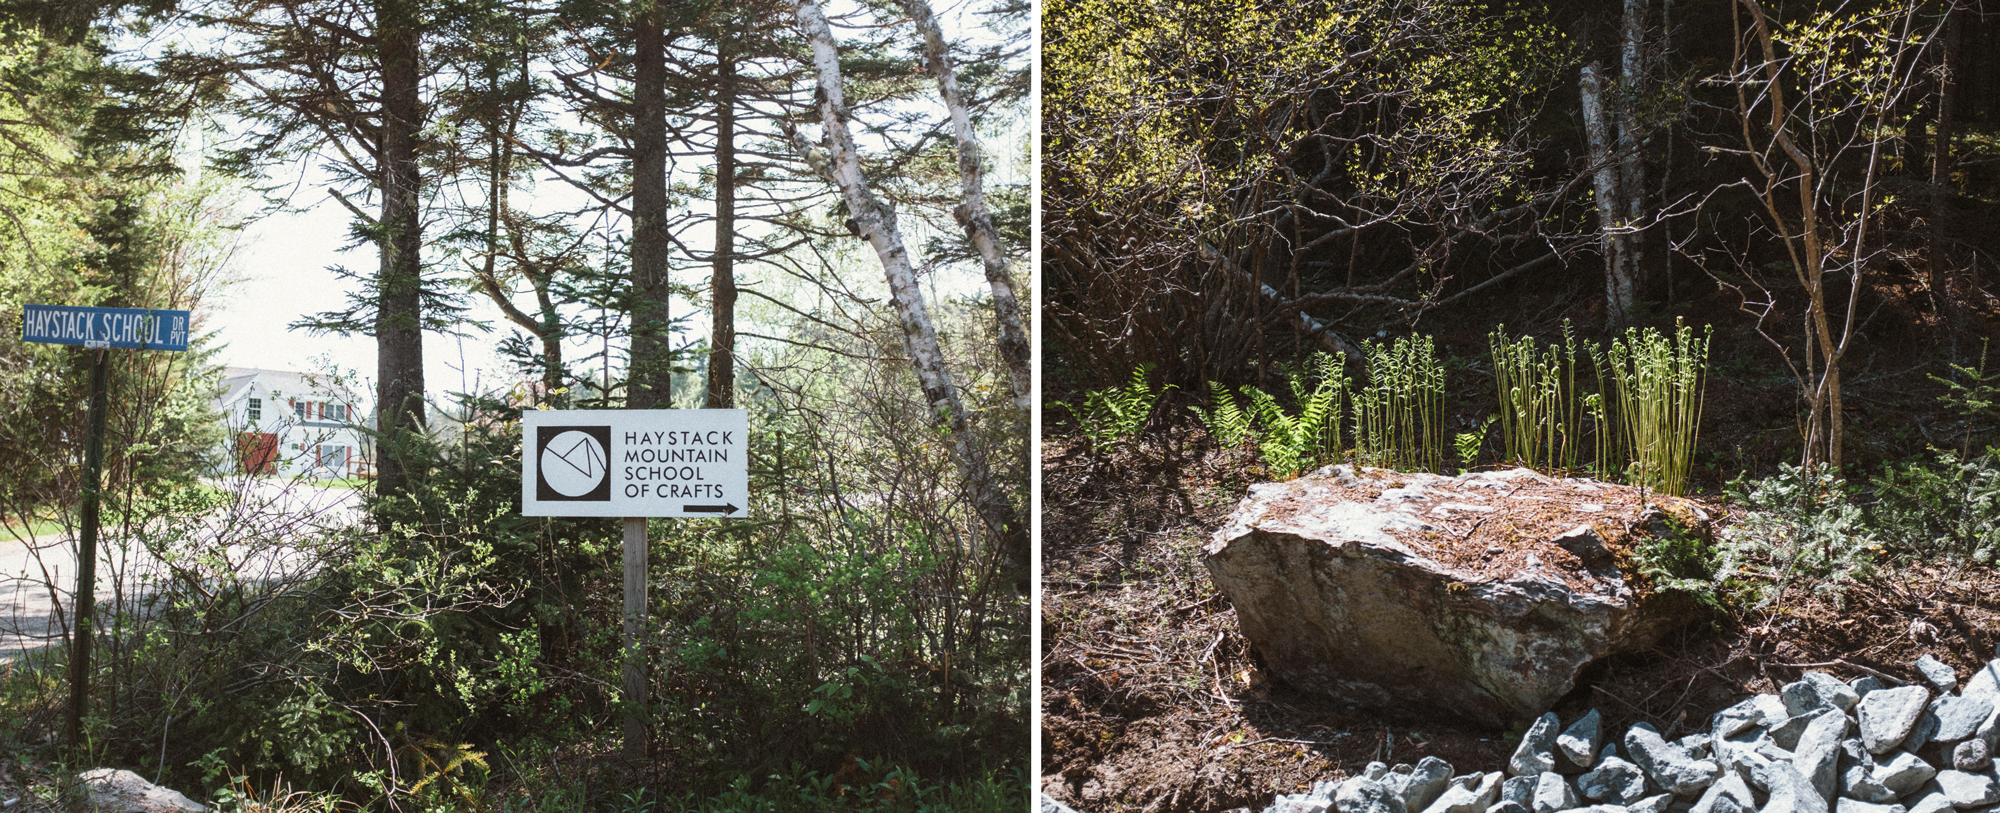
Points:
x=635, y=463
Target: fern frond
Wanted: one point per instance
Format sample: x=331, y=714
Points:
x=1226, y=422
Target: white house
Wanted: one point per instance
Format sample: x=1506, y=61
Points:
x=281, y=422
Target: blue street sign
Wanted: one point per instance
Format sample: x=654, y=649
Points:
x=137, y=328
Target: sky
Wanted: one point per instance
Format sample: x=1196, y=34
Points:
x=282, y=266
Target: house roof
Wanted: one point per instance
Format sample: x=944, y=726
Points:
x=236, y=382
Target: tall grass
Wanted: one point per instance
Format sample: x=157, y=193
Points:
x=1399, y=416
x=1658, y=382
x=1541, y=417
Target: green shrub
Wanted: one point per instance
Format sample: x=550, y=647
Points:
x=1802, y=532
x=861, y=786
x=1946, y=509
x=1677, y=559
x=1228, y=423
x=1289, y=443
x=1974, y=397
x=852, y=613
x=1466, y=446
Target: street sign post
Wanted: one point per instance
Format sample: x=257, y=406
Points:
x=97, y=329
x=635, y=464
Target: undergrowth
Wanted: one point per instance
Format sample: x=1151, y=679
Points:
x=1641, y=423
x=1291, y=443
x=1228, y=423
x=1801, y=532
x=1541, y=417
x=1678, y=559
x=1115, y=413
x=1399, y=415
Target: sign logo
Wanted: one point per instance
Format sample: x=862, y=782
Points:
x=573, y=463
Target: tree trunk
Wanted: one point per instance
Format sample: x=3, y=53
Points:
x=1619, y=288
x=1940, y=266
x=1916, y=136
x=1646, y=262
x=551, y=335
x=877, y=222
x=1824, y=432
x=649, y=375
x=1989, y=61
x=548, y=327
x=399, y=339
x=973, y=215
x=722, y=284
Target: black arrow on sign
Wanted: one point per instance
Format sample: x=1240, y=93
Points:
x=710, y=509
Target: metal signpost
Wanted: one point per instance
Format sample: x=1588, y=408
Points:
x=635, y=463
x=96, y=329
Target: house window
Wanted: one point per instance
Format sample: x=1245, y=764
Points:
x=332, y=458
x=337, y=412
x=256, y=411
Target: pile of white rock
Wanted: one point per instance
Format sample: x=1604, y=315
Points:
x=1820, y=746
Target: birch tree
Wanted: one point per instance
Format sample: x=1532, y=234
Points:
x=838, y=159
x=1620, y=283
x=972, y=214
x=1616, y=133
x=1634, y=131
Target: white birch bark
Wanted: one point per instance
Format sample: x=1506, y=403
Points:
x=876, y=220
x=973, y=215
x=1618, y=287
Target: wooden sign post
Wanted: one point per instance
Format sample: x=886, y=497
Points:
x=635, y=464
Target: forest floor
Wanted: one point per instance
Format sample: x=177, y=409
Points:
x=26, y=785
x=1153, y=703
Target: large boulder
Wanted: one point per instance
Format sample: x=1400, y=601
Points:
x=109, y=790
x=1474, y=599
